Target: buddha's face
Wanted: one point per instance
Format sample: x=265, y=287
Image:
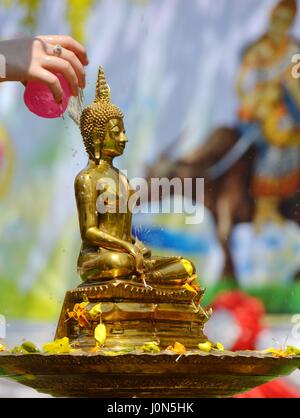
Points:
x=281, y=21
x=114, y=141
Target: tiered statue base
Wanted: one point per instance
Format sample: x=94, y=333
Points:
x=134, y=314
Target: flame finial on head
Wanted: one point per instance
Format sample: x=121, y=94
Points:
x=102, y=88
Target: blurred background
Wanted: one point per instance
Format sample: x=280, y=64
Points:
x=173, y=68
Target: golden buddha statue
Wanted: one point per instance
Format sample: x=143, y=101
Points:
x=142, y=297
x=108, y=248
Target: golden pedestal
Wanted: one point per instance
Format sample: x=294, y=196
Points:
x=134, y=314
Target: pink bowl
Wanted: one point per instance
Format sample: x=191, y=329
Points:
x=39, y=100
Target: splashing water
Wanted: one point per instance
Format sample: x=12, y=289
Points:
x=75, y=107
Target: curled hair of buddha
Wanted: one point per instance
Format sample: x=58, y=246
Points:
x=94, y=117
x=289, y=4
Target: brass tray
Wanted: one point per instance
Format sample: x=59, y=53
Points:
x=216, y=374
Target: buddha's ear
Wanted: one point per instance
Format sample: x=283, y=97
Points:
x=97, y=149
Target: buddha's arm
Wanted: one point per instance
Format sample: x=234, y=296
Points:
x=102, y=239
x=86, y=196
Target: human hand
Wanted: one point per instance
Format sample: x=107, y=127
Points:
x=34, y=59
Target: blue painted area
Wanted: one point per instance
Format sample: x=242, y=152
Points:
x=247, y=267
x=268, y=256
x=273, y=242
x=177, y=240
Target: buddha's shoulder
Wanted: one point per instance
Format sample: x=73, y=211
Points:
x=88, y=177
x=83, y=177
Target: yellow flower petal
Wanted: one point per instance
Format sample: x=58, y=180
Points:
x=96, y=310
x=82, y=305
x=178, y=348
x=150, y=347
x=95, y=349
x=219, y=346
x=189, y=288
x=26, y=348
x=292, y=351
x=206, y=347
x=61, y=346
x=100, y=333
x=188, y=266
x=276, y=352
x=30, y=347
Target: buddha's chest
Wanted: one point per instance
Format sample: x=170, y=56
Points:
x=114, y=205
x=114, y=194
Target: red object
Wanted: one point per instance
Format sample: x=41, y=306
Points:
x=39, y=99
x=248, y=313
x=276, y=389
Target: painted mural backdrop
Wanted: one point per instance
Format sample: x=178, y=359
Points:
x=173, y=66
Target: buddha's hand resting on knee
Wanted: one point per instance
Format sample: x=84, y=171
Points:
x=34, y=58
x=138, y=256
x=142, y=248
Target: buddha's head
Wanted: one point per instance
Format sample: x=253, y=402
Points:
x=282, y=17
x=101, y=124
